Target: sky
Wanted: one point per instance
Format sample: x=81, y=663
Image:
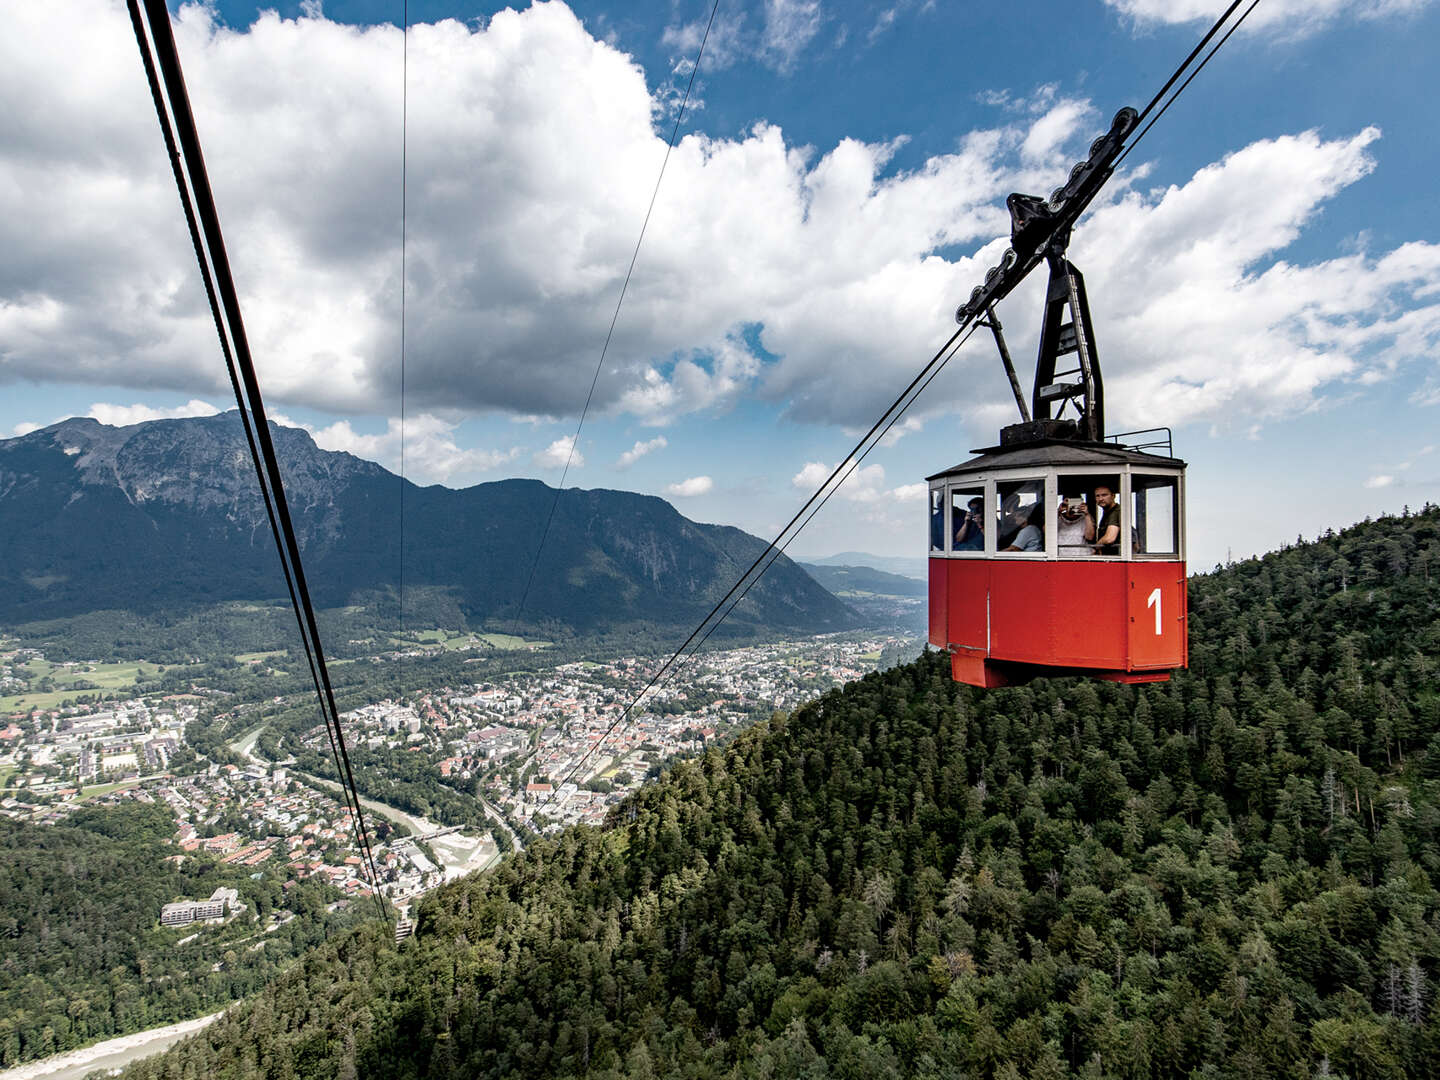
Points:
x=1263, y=271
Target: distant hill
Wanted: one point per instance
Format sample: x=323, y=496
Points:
x=915, y=567
x=166, y=517
x=884, y=601
x=844, y=581
x=1233, y=874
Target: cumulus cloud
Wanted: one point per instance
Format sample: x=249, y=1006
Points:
x=695, y=485
x=911, y=493
x=526, y=195
x=432, y=455
x=1247, y=336
x=124, y=415
x=1287, y=17
x=640, y=449
x=864, y=485
x=559, y=452
x=698, y=380
x=1379, y=481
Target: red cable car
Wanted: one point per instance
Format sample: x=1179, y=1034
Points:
x=1059, y=551
x=1016, y=588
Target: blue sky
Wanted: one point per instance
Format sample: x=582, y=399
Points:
x=1265, y=270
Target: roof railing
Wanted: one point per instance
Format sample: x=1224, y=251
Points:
x=1167, y=442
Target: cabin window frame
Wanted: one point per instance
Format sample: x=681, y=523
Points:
x=1046, y=477
x=986, y=488
x=1177, y=485
x=941, y=489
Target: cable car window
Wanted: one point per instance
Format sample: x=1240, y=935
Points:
x=967, y=520
x=937, y=519
x=1088, y=520
x=1155, y=502
x=1020, y=516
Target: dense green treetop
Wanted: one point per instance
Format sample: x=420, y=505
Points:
x=1232, y=874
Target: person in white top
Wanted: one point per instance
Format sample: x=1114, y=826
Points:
x=1074, y=528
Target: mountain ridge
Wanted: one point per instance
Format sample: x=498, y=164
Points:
x=131, y=517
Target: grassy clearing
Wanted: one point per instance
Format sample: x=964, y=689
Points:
x=22, y=703
x=257, y=657
x=104, y=789
x=872, y=657
x=70, y=681
x=510, y=641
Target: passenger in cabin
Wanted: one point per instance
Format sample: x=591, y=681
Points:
x=1107, y=530
x=1013, y=518
x=1074, y=528
x=1032, y=536
x=970, y=536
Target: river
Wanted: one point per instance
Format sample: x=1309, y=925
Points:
x=110, y=1054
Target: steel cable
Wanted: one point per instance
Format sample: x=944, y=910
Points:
x=202, y=219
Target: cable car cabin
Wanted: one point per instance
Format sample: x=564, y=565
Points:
x=1058, y=552
x=1059, y=559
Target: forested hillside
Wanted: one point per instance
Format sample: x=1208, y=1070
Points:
x=82, y=954
x=1233, y=874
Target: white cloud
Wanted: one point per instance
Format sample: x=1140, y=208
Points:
x=790, y=25
x=728, y=42
x=432, y=455
x=1247, y=336
x=865, y=484
x=123, y=415
x=696, y=381
x=911, y=493
x=1055, y=128
x=1289, y=18
x=834, y=255
x=695, y=485
x=558, y=453
x=1392, y=474
x=639, y=450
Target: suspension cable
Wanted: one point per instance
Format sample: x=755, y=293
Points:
x=901, y=403
x=202, y=219
x=614, y=318
x=750, y=578
x=404, y=236
x=1189, y=79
